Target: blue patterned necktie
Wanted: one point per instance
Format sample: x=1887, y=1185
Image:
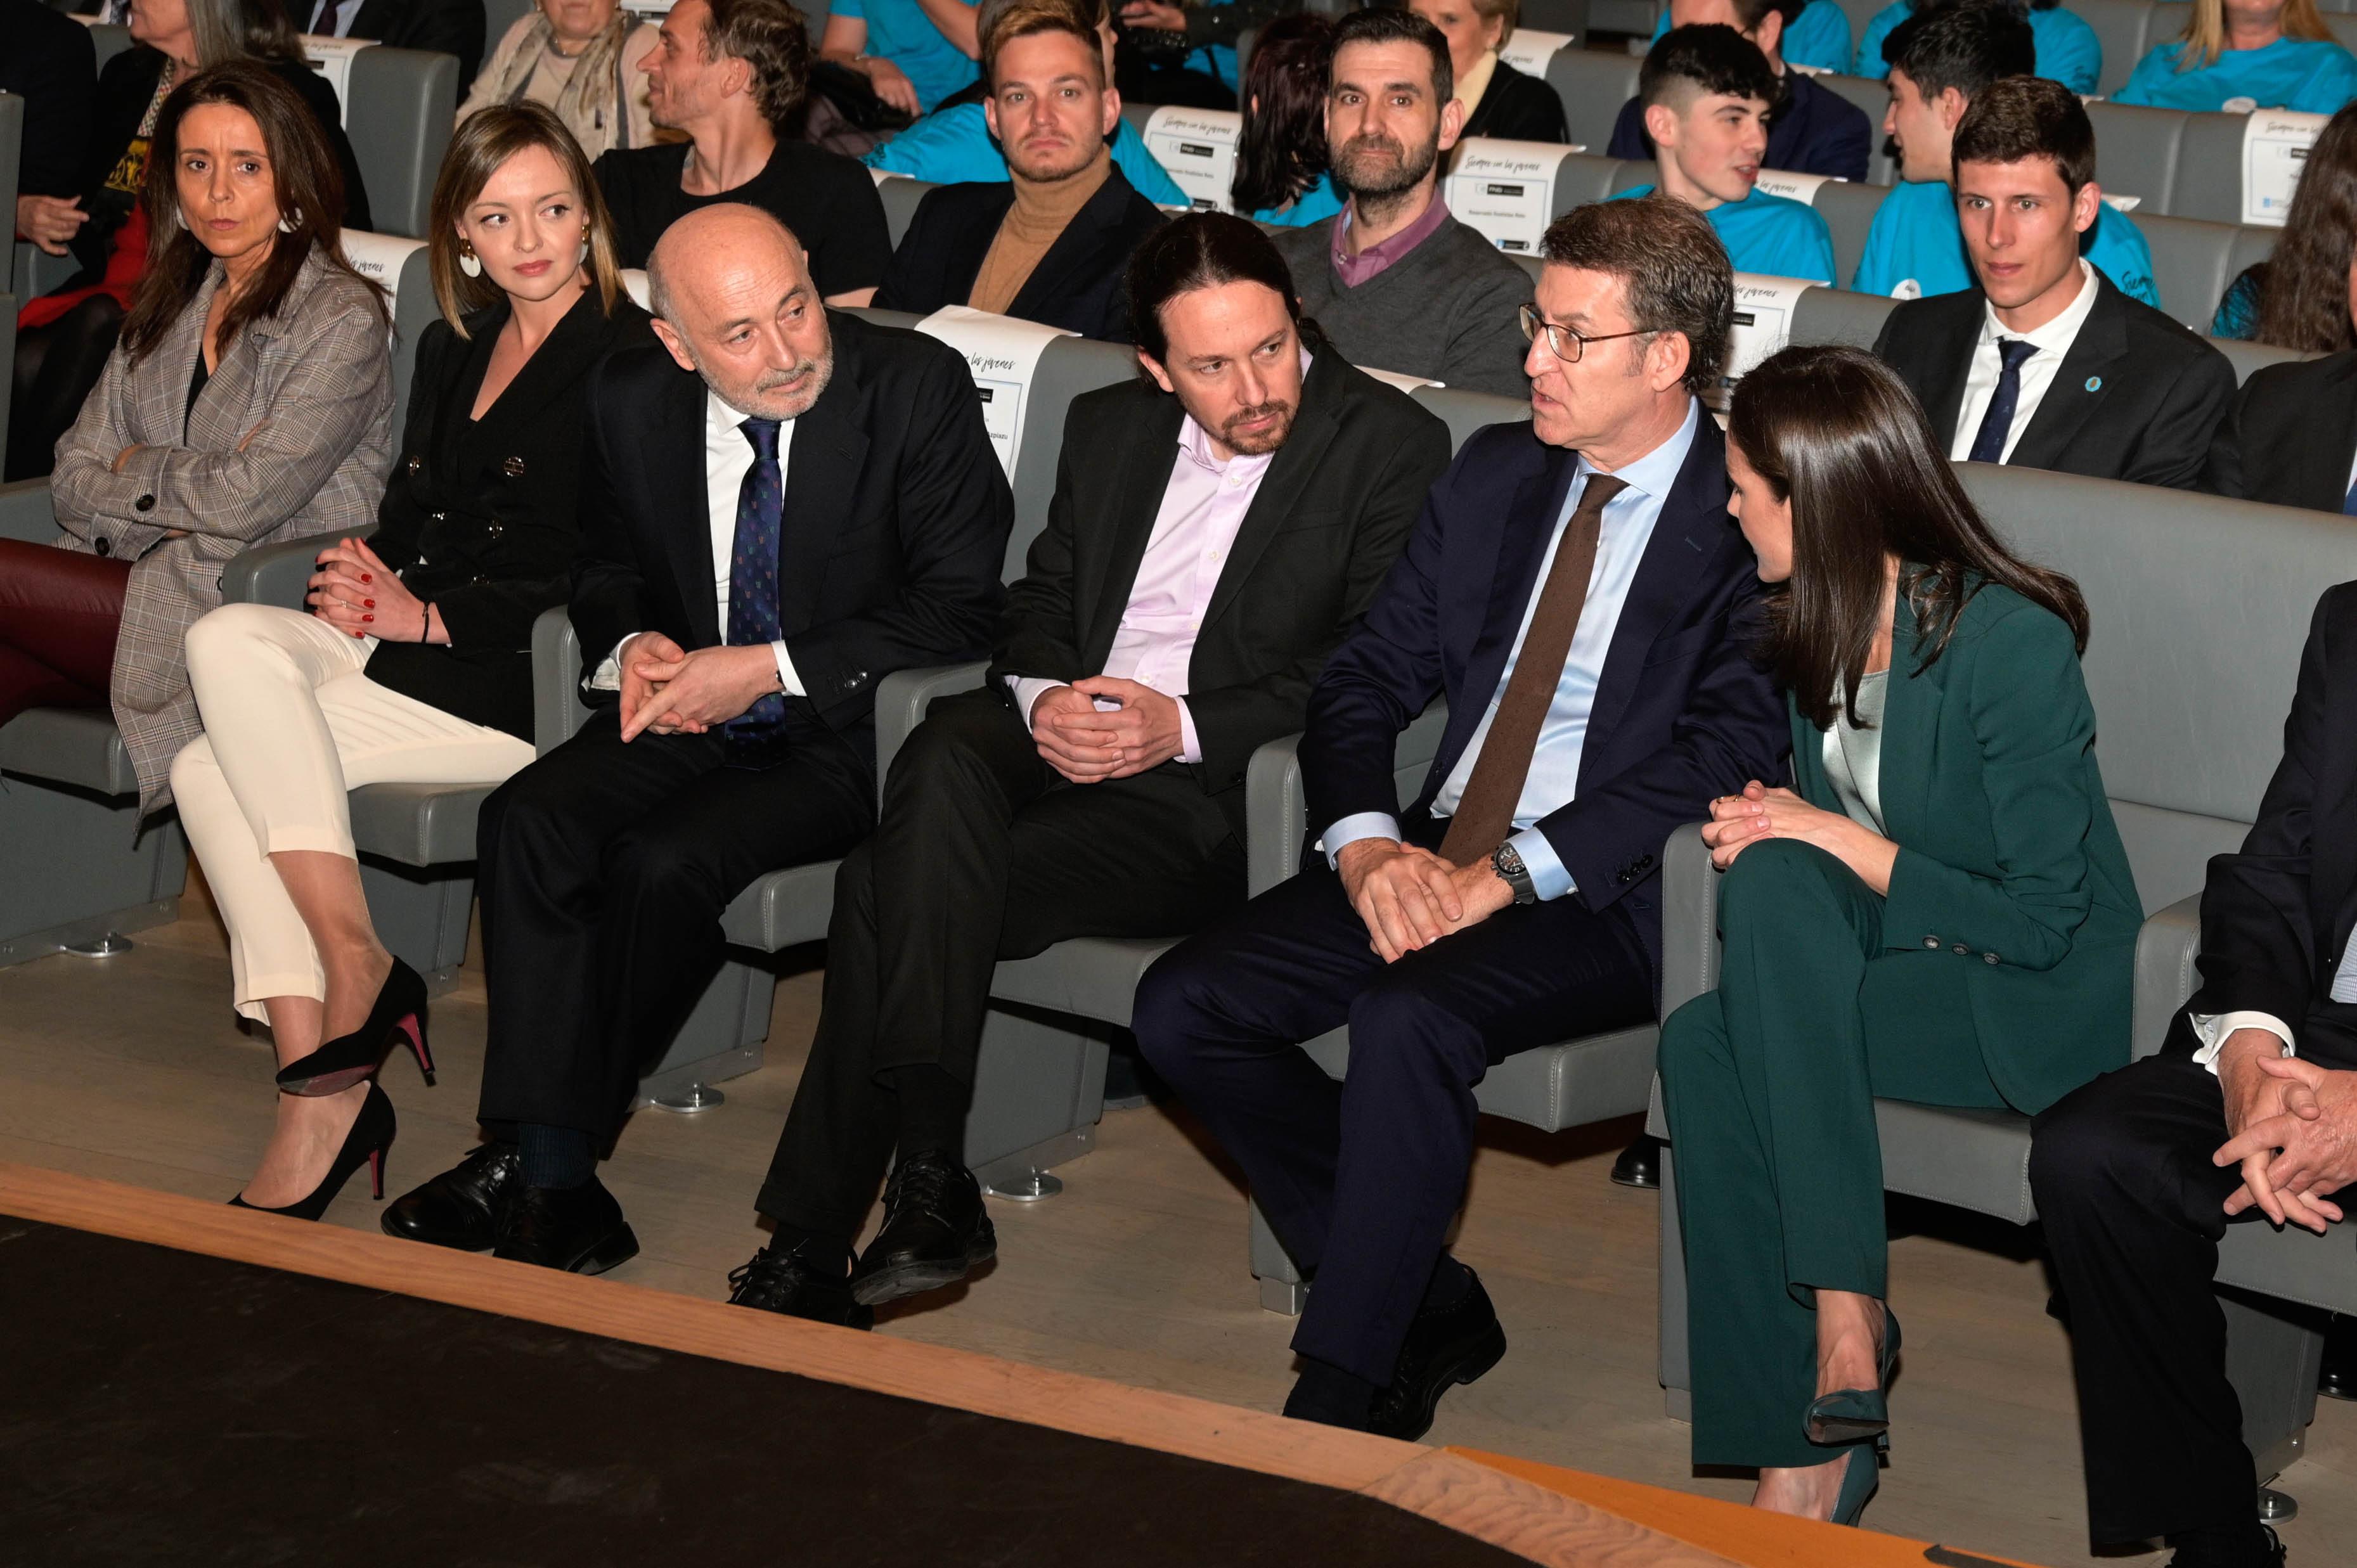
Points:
x=753, y=587
x=1989, y=445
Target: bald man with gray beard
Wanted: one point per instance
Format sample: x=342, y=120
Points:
x=780, y=505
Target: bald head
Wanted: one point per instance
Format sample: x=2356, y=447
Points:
x=733, y=302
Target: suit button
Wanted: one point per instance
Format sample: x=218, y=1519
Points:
x=478, y=577
x=1960, y=949
x=441, y=516
x=495, y=529
x=104, y=548
x=1932, y=942
x=1644, y=862
x=144, y=503
x=513, y=467
x=1988, y=958
x=415, y=463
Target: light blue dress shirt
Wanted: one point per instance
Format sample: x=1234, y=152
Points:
x=1626, y=528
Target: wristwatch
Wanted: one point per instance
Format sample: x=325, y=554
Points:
x=1508, y=863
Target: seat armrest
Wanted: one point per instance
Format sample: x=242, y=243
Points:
x=24, y=512
x=1689, y=919
x=902, y=697
x=276, y=574
x=557, y=710
x=1276, y=815
x=2165, y=949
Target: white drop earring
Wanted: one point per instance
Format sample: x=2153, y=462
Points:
x=468, y=263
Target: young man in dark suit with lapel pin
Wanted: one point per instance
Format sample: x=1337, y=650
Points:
x=775, y=512
x=2248, y=1110
x=2047, y=364
x=2290, y=438
x=1576, y=592
x=1218, y=526
x=1052, y=243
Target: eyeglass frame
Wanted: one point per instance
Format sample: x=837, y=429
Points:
x=1534, y=322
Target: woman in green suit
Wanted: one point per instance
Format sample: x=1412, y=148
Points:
x=1938, y=911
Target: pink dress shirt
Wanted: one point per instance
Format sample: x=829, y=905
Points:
x=1377, y=258
x=1202, y=506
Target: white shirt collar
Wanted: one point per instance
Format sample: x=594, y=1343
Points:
x=2057, y=334
x=1657, y=470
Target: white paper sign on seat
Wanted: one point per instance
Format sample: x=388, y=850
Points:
x=1197, y=147
x=332, y=58
x=1528, y=51
x=1796, y=187
x=1003, y=355
x=2276, y=144
x=1505, y=189
x=1763, y=324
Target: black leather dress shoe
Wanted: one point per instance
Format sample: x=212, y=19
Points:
x=462, y=1206
x=935, y=1230
x=1640, y=1164
x=1443, y=1349
x=580, y=1230
x=2339, y=1377
x=791, y=1284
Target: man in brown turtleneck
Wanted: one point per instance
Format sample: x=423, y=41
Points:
x=1050, y=243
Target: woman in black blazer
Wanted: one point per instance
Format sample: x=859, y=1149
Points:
x=1500, y=100
x=415, y=663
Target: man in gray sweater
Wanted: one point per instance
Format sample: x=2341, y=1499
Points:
x=1396, y=282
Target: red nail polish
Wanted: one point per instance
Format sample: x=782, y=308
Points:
x=368, y=603
x=368, y=618
x=366, y=578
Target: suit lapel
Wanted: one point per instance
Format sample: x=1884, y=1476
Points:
x=1079, y=254
x=961, y=266
x=824, y=465
x=1911, y=720
x=675, y=493
x=1289, y=473
x=1517, y=545
x=1958, y=332
x=2323, y=476
x=1103, y=579
x=557, y=364
x=2078, y=386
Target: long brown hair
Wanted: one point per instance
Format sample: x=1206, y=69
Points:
x=1836, y=432
x=2304, y=301
x=309, y=190
x=485, y=140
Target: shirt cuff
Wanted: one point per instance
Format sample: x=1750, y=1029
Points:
x=1190, y=749
x=2214, y=1029
x=1550, y=878
x=607, y=676
x=1358, y=826
x=789, y=681
x=1027, y=690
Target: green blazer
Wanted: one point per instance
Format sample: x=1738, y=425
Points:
x=2009, y=860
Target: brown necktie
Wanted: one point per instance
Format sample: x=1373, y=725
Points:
x=1487, y=809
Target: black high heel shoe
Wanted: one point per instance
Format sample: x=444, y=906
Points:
x=398, y=1016
x=365, y=1144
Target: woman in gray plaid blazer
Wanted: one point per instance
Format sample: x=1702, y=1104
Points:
x=250, y=401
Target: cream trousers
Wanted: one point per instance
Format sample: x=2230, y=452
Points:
x=291, y=723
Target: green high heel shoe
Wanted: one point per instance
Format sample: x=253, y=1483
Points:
x=1860, y=1481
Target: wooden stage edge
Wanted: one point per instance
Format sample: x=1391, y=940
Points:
x=1546, y=1515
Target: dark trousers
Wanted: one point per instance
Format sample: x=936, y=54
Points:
x=2134, y=1212
x=604, y=869
x=60, y=612
x=1361, y=1179
x=983, y=853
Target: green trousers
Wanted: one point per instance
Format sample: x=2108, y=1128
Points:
x=1770, y=1084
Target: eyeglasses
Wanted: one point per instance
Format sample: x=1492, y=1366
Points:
x=1563, y=342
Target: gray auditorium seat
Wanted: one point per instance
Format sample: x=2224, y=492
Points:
x=1629, y=174
x=1838, y=316
x=75, y=869
x=109, y=40
x=1583, y=177
x=1634, y=18
x=2248, y=356
x=2123, y=27
x=1872, y=95
x=2187, y=744
x=1467, y=412
x=2190, y=264
x=401, y=104
x=2210, y=168
x=900, y=197
x=2136, y=152
x=2254, y=243
x=1848, y=211
x=499, y=16
x=1592, y=85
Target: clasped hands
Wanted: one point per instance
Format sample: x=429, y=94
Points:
x=1757, y=812
x=672, y=691
x=355, y=592
x=2294, y=1127
x=1410, y=898
x=1087, y=745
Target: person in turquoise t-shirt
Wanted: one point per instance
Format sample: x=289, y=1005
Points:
x=952, y=145
x=1818, y=38
x=2067, y=49
x=1707, y=92
x=1317, y=204
x=1939, y=60
x=915, y=52
x=2282, y=57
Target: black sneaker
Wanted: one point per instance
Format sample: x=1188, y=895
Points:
x=1443, y=1349
x=789, y=1282
x=935, y=1231
x=461, y=1208
x=580, y=1230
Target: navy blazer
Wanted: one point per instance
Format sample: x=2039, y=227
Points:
x=1683, y=711
x=1814, y=131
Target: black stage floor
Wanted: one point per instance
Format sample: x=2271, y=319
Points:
x=163, y=1407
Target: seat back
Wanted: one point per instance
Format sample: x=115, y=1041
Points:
x=1848, y=211
x=1068, y=367
x=399, y=117
x=2190, y=265
x=1467, y=412
x=900, y=197
x=2136, y=152
x=108, y=39
x=2209, y=182
x=1872, y=95
x=404, y=269
x=2187, y=738
x=2122, y=26
x=1583, y=177
x=1838, y=316
x=1529, y=49
x=1509, y=191
x=1631, y=174
x=1593, y=86
x=2247, y=358
x=2254, y=243
x=499, y=16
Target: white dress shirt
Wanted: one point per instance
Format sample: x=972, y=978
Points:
x=1624, y=531
x=2053, y=342
x=727, y=458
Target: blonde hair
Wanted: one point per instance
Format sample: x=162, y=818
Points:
x=2205, y=34
x=1492, y=10
x=485, y=140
